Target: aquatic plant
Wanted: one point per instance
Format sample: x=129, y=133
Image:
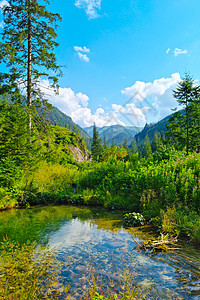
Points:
x=133, y=219
x=27, y=273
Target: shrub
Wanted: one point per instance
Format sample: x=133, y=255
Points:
x=133, y=219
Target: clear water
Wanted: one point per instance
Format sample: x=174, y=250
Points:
x=93, y=241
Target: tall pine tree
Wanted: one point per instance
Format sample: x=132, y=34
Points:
x=27, y=50
x=96, y=144
x=187, y=93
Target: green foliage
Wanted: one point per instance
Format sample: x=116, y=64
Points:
x=133, y=146
x=147, y=147
x=150, y=204
x=133, y=219
x=156, y=142
x=183, y=128
x=6, y=199
x=114, y=153
x=165, y=152
x=182, y=221
x=14, y=134
x=96, y=145
x=125, y=145
x=27, y=47
x=90, y=197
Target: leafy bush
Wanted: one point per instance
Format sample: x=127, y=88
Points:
x=133, y=219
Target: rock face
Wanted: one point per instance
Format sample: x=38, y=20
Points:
x=79, y=155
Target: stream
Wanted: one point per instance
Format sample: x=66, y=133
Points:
x=92, y=241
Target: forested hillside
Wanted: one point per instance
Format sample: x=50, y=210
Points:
x=150, y=129
x=56, y=117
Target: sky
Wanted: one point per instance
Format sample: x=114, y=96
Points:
x=122, y=58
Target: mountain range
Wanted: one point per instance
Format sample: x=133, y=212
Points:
x=116, y=133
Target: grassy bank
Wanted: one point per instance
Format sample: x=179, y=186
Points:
x=165, y=192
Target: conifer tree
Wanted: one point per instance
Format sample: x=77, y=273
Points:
x=27, y=50
x=156, y=142
x=113, y=142
x=125, y=145
x=147, y=147
x=96, y=144
x=14, y=133
x=186, y=93
x=133, y=146
x=105, y=142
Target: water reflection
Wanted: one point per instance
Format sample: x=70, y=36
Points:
x=87, y=239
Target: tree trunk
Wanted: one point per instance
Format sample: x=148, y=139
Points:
x=29, y=69
x=187, y=126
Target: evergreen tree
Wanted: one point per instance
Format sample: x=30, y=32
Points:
x=14, y=134
x=156, y=142
x=133, y=146
x=27, y=49
x=125, y=145
x=147, y=147
x=96, y=144
x=187, y=93
x=176, y=131
x=194, y=111
x=113, y=142
x=105, y=142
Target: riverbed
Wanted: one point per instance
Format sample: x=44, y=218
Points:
x=92, y=241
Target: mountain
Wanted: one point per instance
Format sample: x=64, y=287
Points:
x=56, y=117
x=118, y=132
x=150, y=129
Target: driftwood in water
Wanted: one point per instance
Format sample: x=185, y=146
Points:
x=165, y=243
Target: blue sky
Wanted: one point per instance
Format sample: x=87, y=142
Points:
x=124, y=57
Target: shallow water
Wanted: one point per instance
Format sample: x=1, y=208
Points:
x=92, y=241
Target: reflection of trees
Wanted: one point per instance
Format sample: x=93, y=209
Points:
x=36, y=224
x=108, y=224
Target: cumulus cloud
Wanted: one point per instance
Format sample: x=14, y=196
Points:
x=167, y=51
x=147, y=102
x=132, y=114
x=81, y=49
x=76, y=105
x=153, y=98
x=178, y=51
x=83, y=57
x=90, y=6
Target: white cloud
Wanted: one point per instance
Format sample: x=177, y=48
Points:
x=134, y=115
x=167, y=51
x=76, y=105
x=153, y=98
x=83, y=57
x=90, y=7
x=1, y=24
x=150, y=99
x=178, y=51
x=81, y=49
x=3, y=3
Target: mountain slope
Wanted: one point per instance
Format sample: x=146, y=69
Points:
x=117, y=132
x=56, y=117
x=150, y=129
